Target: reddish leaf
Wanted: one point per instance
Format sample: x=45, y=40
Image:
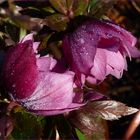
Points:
x=92, y=126
x=6, y=127
x=111, y=110
x=90, y=121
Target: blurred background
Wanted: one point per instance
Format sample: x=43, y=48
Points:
x=13, y=25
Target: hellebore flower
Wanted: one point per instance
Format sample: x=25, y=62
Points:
x=32, y=81
x=99, y=48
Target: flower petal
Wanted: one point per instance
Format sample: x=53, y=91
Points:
x=93, y=95
x=115, y=63
x=99, y=68
x=35, y=46
x=54, y=92
x=81, y=48
x=27, y=37
x=126, y=37
x=91, y=79
x=84, y=48
x=20, y=70
x=71, y=107
x=134, y=52
x=46, y=63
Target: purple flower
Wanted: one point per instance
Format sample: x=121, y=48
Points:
x=99, y=48
x=33, y=81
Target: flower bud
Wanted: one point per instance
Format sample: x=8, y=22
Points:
x=99, y=48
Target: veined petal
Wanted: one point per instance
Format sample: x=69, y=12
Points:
x=55, y=91
x=89, y=97
x=116, y=63
x=115, y=60
x=99, y=67
x=114, y=72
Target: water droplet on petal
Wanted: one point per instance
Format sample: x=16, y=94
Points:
x=109, y=35
x=82, y=41
x=14, y=85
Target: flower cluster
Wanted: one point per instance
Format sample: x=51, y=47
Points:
x=43, y=86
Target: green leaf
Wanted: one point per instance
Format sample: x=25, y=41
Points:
x=79, y=7
x=27, y=22
x=49, y=10
x=12, y=31
x=55, y=50
x=43, y=43
x=22, y=33
x=2, y=34
x=100, y=7
x=26, y=125
x=65, y=130
x=70, y=4
x=80, y=135
x=49, y=131
x=92, y=4
x=59, y=5
x=57, y=22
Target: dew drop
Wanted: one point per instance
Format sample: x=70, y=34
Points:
x=109, y=35
x=82, y=41
x=12, y=73
x=14, y=85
